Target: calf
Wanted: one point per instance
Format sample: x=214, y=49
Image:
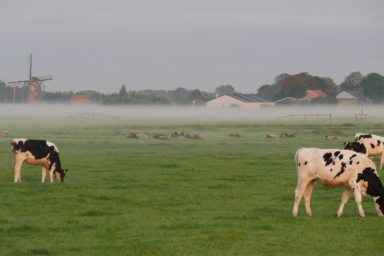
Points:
x=359, y=136
x=37, y=152
x=332, y=137
x=332, y=168
x=269, y=136
x=369, y=147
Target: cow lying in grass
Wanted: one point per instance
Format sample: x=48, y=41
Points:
x=3, y=134
x=332, y=168
x=160, y=137
x=136, y=135
x=332, y=137
x=368, y=147
x=194, y=137
x=269, y=136
x=286, y=135
x=233, y=135
x=37, y=152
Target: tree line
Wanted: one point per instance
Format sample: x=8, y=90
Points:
x=284, y=85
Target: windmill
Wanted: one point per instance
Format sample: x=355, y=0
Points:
x=34, y=84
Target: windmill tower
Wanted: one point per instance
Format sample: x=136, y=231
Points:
x=34, y=84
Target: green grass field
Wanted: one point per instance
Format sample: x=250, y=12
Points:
x=219, y=196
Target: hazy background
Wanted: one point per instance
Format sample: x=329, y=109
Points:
x=193, y=114
x=100, y=45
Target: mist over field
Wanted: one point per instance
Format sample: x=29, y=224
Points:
x=186, y=113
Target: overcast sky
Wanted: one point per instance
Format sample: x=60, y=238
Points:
x=152, y=44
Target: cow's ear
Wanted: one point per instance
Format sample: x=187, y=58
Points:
x=345, y=143
x=65, y=170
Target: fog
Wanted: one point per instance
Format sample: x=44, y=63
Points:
x=191, y=114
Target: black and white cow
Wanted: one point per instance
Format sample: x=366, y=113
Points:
x=360, y=136
x=369, y=147
x=332, y=168
x=37, y=152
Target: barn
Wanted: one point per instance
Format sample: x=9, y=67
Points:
x=238, y=100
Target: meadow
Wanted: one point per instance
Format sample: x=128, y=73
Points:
x=218, y=196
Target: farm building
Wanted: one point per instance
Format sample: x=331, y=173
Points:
x=346, y=99
x=351, y=98
x=292, y=101
x=312, y=94
x=238, y=99
x=80, y=100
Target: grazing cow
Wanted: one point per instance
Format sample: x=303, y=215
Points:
x=160, y=136
x=3, y=134
x=332, y=168
x=332, y=137
x=286, y=135
x=233, y=135
x=269, y=136
x=359, y=136
x=369, y=147
x=37, y=152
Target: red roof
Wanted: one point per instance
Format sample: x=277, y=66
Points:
x=82, y=99
x=318, y=93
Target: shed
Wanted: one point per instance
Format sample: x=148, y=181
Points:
x=238, y=99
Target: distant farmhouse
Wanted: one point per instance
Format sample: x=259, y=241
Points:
x=350, y=98
x=80, y=100
x=238, y=100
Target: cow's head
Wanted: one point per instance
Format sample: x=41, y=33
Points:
x=60, y=174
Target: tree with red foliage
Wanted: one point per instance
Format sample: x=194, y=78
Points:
x=304, y=78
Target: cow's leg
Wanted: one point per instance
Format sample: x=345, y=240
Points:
x=53, y=168
x=13, y=159
x=307, y=197
x=344, y=200
x=19, y=162
x=299, y=192
x=44, y=173
x=381, y=160
x=358, y=199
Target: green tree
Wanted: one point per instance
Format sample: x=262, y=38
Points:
x=329, y=85
x=280, y=95
x=225, y=89
x=123, y=91
x=196, y=94
x=352, y=82
x=298, y=90
x=373, y=87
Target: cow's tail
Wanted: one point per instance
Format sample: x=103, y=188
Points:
x=297, y=158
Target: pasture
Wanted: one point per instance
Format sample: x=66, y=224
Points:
x=218, y=196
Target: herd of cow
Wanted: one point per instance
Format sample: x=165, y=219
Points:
x=349, y=167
